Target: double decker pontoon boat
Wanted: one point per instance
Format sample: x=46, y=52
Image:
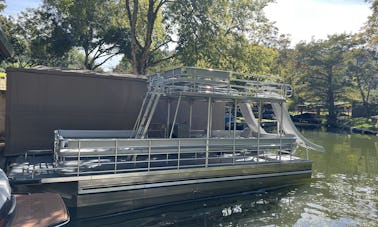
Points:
x=103, y=172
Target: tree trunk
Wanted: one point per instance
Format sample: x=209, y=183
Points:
x=332, y=118
x=140, y=55
x=141, y=66
x=364, y=97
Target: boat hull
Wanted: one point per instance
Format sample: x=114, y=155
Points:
x=108, y=194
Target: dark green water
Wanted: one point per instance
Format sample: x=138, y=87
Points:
x=343, y=191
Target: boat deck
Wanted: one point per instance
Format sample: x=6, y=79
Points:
x=35, y=167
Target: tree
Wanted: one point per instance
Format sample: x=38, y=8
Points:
x=38, y=41
x=147, y=33
x=233, y=35
x=362, y=65
x=369, y=36
x=89, y=24
x=2, y=5
x=370, y=30
x=322, y=68
x=20, y=44
x=209, y=32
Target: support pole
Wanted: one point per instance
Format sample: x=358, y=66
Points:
x=175, y=117
x=229, y=119
x=190, y=117
x=149, y=156
x=168, y=117
x=78, y=157
x=281, y=128
x=116, y=155
x=209, y=118
x=179, y=154
x=234, y=142
x=259, y=130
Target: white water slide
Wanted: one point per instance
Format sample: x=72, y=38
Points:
x=287, y=124
x=250, y=119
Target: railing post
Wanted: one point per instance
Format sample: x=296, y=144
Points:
x=291, y=151
x=78, y=158
x=116, y=156
x=229, y=120
x=281, y=128
x=234, y=139
x=179, y=154
x=190, y=117
x=149, y=156
x=259, y=130
x=209, y=119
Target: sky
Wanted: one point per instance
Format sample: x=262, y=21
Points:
x=302, y=19
x=308, y=19
x=16, y=6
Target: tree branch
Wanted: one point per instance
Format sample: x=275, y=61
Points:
x=160, y=45
x=162, y=59
x=105, y=60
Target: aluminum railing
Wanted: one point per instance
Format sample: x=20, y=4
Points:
x=110, y=156
x=197, y=80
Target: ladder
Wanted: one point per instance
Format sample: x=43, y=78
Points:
x=147, y=110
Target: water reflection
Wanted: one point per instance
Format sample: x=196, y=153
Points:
x=343, y=191
x=255, y=208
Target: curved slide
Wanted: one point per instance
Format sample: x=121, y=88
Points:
x=249, y=117
x=287, y=124
x=289, y=127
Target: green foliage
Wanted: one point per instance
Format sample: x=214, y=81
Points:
x=362, y=63
x=88, y=25
x=322, y=71
x=125, y=66
x=148, y=32
x=229, y=35
x=362, y=123
x=370, y=32
x=224, y=34
x=2, y=5
x=37, y=41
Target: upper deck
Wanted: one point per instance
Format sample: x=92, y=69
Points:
x=199, y=82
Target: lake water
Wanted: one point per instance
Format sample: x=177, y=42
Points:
x=343, y=191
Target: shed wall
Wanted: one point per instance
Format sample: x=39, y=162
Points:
x=40, y=101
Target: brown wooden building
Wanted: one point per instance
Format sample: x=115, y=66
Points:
x=41, y=100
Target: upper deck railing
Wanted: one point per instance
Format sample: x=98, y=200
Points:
x=209, y=81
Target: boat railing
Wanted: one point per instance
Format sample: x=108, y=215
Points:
x=197, y=80
x=111, y=156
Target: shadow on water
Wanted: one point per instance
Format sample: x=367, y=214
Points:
x=238, y=209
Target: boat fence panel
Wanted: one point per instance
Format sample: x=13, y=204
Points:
x=208, y=81
x=95, y=155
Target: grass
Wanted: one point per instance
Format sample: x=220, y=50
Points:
x=363, y=123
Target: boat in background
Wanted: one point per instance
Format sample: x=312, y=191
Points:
x=104, y=172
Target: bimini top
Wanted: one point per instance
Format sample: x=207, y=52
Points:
x=191, y=81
